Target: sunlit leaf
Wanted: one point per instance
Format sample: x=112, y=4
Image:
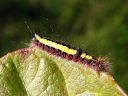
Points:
x=33, y=72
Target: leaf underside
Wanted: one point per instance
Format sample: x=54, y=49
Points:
x=33, y=72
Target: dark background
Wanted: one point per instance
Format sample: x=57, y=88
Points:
x=98, y=26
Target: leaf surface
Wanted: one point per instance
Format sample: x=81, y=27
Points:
x=33, y=72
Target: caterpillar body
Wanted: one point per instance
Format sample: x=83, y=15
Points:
x=69, y=53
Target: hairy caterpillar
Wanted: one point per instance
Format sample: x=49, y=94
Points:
x=69, y=53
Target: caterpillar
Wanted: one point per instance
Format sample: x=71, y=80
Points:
x=67, y=52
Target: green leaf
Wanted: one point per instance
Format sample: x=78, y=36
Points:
x=33, y=72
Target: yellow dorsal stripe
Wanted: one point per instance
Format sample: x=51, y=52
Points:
x=72, y=51
x=64, y=49
x=42, y=40
x=61, y=47
x=47, y=42
x=55, y=45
